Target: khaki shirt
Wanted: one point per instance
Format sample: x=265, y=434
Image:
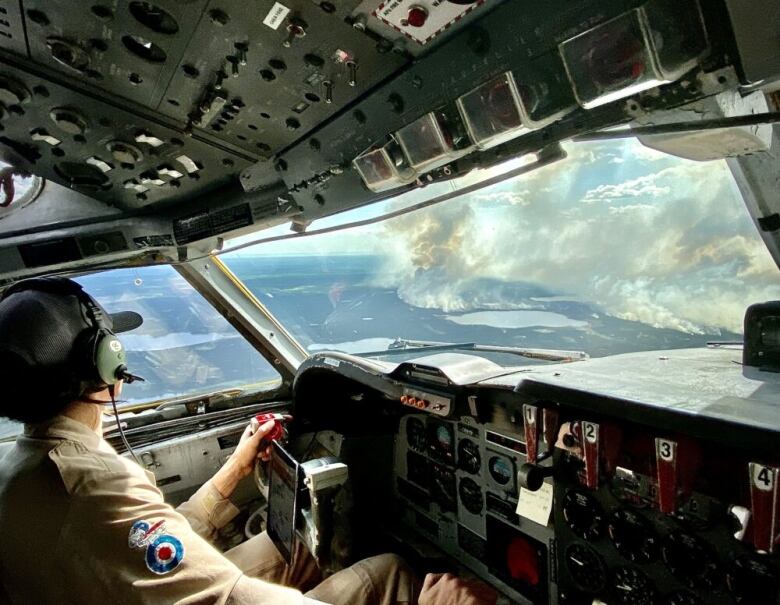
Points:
x=67, y=505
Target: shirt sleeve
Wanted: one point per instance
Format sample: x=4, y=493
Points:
x=121, y=541
x=208, y=511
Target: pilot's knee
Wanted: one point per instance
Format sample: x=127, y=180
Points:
x=389, y=563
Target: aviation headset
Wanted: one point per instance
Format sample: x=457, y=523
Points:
x=98, y=359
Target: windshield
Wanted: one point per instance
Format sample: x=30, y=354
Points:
x=184, y=347
x=617, y=248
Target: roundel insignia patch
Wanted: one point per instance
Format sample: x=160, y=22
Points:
x=164, y=554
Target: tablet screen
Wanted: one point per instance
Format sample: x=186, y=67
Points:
x=282, y=494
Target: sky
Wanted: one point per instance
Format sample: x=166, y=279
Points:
x=643, y=235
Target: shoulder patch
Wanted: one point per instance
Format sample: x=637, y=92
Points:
x=164, y=552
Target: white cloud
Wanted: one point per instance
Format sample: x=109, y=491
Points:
x=642, y=187
x=672, y=245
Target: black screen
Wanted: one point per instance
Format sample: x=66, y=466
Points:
x=282, y=505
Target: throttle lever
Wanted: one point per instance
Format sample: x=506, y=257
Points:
x=532, y=476
x=278, y=432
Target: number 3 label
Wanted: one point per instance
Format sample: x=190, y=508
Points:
x=665, y=449
x=763, y=477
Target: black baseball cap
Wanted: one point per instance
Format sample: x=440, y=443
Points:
x=41, y=320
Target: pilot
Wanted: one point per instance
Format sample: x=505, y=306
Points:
x=81, y=524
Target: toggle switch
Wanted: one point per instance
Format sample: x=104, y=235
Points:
x=328, y=85
x=352, y=73
x=242, y=49
x=296, y=28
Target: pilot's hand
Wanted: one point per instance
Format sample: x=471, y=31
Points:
x=250, y=448
x=447, y=589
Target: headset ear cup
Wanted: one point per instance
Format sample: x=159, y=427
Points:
x=109, y=357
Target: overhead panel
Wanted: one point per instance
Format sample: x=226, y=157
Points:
x=135, y=102
x=282, y=69
x=12, y=26
x=121, y=157
x=129, y=49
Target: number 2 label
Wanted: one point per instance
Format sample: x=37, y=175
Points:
x=590, y=431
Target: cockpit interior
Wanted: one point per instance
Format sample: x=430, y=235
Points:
x=399, y=223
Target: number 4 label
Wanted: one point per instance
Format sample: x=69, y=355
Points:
x=763, y=477
x=763, y=502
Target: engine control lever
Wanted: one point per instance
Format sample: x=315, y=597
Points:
x=279, y=429
x=532, y=476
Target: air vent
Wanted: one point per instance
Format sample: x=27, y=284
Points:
x=228, y=441
x=51, y=252
x=208, y=224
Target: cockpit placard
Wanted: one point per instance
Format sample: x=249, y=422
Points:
x=423, y=20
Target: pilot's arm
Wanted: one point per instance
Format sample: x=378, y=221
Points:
x=209, y=508
x=121, y=543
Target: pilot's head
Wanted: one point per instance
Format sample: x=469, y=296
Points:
x=57, y=346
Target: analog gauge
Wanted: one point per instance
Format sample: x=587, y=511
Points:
x=443, y=487
x=583, y=515
x=501, y=469
x=690, y=560
x=468, y=456
x=752, y=581
x=632, y=536
x=444, y=437
x=683, y=597
x=417, y=469
x=585, y=567
x=440, y=442
x=415, y=434
x=632, y=587
x=470, y=495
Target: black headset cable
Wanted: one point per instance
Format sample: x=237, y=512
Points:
x=119, y=425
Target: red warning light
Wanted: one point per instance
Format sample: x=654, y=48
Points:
x=417, y=16
x=522, y=561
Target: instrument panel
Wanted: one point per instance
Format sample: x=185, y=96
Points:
x=619, y=538
x=649, y=533
x=649, y=502
x=457, y=481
